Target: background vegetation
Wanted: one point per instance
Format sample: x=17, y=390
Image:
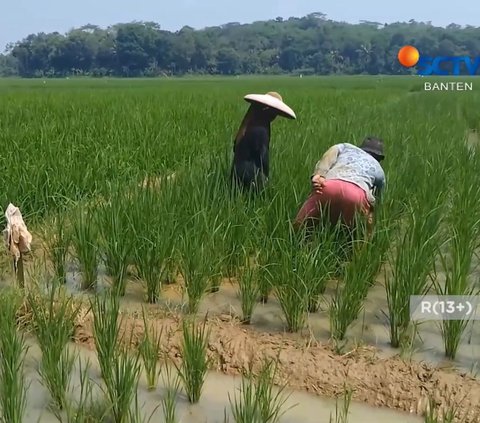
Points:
x=309, y=45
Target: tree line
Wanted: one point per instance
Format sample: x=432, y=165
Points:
x=309, y=45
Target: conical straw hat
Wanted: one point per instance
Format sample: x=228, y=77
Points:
x=273, y=100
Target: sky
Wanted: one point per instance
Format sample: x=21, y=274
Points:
x=19, y=18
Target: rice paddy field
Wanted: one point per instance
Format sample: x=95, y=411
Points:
x=155, y=292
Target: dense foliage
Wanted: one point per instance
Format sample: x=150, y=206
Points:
x=309, y=45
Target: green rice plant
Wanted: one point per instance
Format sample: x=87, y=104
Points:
x=116, y=240
x=271, y=403
x=150, y=350
x=290, y=289
x=257, y=401
x=248, y=290
x=411, y=263
x=348, y=300
x=153, y=257
x=245, y=408
x=57, y=240
x=13, y=350
x=54, y=317
x=314, y=264
x=449, y=412
x=194, y=267
x=456, y=264
x=341, y=412
x=266, y=264
x=194, y=366
x=154, y=226
x=106, y=330
x=267, y=253
x=122, y=385
x=218, y=259
x=169, y=400
x=84, y=241
x=234, y=236
x=88, y=408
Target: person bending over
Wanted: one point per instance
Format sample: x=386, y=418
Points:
x=348, y=179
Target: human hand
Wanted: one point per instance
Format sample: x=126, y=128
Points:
x=317, y=183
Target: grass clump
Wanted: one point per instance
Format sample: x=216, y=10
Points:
x=122, y=386
x=358, y=277
x=169, y=400
x=150, y=350
x=290, y=288
x=54, y=318
x=248, y=289
x=154, y=228
x=411, y=264
x=456, y=259
x=57, y=239
x=106, y=330
x=194, y=267
x=115, y=237
x=87, y=408
x=194, y=366
x=84, y=241
x=13, y=349
x=259, y=401
x=341, y=411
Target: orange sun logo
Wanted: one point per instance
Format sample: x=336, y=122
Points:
x=408, y=56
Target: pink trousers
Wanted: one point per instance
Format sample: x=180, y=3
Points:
x=343, y=199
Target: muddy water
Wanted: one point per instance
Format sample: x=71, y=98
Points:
x=306, y=407
x=370, y=329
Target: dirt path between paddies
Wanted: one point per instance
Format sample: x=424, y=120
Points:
x=313, y=367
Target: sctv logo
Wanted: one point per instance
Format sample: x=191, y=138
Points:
x=409, y=56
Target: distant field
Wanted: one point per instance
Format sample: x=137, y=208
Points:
x=79, y=151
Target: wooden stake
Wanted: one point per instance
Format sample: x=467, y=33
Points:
x=19, y=271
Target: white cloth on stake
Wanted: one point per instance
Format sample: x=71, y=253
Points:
x=16, y=236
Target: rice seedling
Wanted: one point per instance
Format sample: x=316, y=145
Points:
x=411, y=264
x=106, y=329
x=84, y=241
x=194, y=267
x=271, y=403
x=257, y=401
x=456, y=261
x=87, y=408
x=342, y=411
x=218, y=259
x=348, y=301
x=122, y=384
x=291, y=290
x=194, y=366
x=114, y=226
x=245, y=408
x=248, y=290
x=54, y=317
x=154, y=229
x=448, y=412
x=57, y=242
x=13, y=349
x=314, y=263
x=150, y=350
x=169, y=400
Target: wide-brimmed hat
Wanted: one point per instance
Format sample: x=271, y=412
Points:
x=273, y=100
x=374, y=146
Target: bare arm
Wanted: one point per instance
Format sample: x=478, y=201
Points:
x=327, y=161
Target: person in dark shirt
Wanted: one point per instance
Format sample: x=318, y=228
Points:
x=250, y=168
